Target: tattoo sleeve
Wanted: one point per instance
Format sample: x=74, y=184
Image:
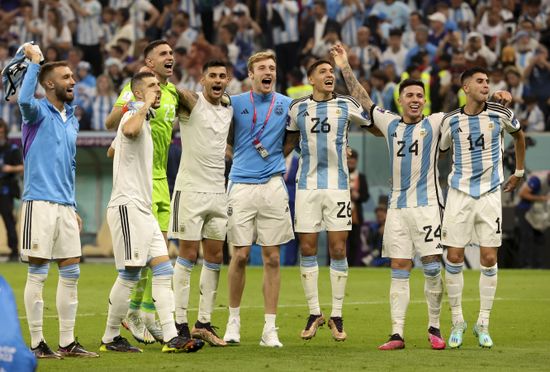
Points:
x=355, y=89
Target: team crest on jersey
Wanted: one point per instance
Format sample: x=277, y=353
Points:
x=279, y=110
x=230, y=211
x=422, y=132
x=491, y=125
x=338, y=112
x=136, y=255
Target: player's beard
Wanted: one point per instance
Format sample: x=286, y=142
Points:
x=62, y=95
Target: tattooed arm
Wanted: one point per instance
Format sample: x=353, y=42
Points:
x=187, y=99
x=355, y=89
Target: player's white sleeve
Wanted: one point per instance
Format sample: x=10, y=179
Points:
x=511, y=124
x=382, y=118
x=291, y=123
x=445, y=142
x=359, y=117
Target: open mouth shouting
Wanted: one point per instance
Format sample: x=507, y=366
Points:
x=415, y=108
x=267, y=83
x=217, y=90
x=169, y=66
x=329, y=83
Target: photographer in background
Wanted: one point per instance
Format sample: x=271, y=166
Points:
x=11, y=163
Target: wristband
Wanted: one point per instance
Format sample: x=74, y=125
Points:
x=519, y=173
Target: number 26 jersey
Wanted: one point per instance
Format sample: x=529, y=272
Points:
x=323, y=127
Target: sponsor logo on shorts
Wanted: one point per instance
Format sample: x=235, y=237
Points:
x=229, y=211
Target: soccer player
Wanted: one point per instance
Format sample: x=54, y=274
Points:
x=475, y=133
x=50, y=228
x=320, y=123
x=413, y=224
x=137, y=239
x=199, y=205
x=159, y=59
x=258, y=208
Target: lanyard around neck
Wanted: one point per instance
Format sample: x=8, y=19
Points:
x=254, y=117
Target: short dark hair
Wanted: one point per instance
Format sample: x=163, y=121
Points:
x=47, y=68
x=410, y=82
x=137, y=78
x=471, y=72
x=396, y=32
x=152, y=45
x=316, y=64
x=213, y=63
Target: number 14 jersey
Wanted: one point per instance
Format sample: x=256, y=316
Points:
x=477, y=142
x=323, y=127
x=413, y=151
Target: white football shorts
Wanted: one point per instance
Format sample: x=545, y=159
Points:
x=318, y=210
x=136, y=236
x=49, y=230
x=259, y=213
x=467, y=219
x=198, y=215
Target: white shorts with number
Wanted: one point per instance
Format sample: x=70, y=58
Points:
x=198, y=215
x=467, y=219
x=409, y=231
x=136, y=236
x=259, y=213
x=318, y=210
x=49, y=230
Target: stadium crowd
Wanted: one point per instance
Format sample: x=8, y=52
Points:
x=388, y=40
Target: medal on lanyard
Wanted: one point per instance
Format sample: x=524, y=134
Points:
x=256, y=141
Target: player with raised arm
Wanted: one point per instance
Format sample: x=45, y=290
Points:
x=137, y=239
x=475, y=132
x=159, y=59
x=258, y=208
x=50, y=227
x=320, y=124
x=413, y=224
x=199, y=205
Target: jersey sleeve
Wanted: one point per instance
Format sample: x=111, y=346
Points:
x=382, y=118
x=511, y=124
x=445, y=142
x=125, y=96
x=292, y=119
x=359, y=117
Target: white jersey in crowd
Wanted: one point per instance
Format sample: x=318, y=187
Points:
x=133, y=167
x=413, y=150
x=478, y=143
x=203, y=141
x=323, y=127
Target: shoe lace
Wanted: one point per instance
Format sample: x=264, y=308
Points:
x=312, y=318
x=210, y=328
x=339, y=323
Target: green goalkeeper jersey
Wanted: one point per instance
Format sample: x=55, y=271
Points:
x=161, y=124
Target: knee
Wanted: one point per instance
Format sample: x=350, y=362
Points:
x=240, y=257
x=272, y=260
x=214, y=257
x=307, y=249
x=489, y=259
x=338, y=251
x=455, y=257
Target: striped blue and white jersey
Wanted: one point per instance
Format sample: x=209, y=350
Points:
x=89, y=30
x=477, y=142
x=413, y=150
x=323, y=127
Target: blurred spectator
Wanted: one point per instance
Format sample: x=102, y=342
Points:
x=54, y=31
x=108, y=25
x=533, y=218
x=74, y=57
x=524, y=51
x=396, y=12
x=409, y=36
x=114, y=69
x=89, y=32
x=11, y=163
x=532, y=118
x=297, y=88
x=537, y=74
x=226, y=38
x=369, y=55
x=533, y=12
x=187, y=36
x=437, y=28
x=228, y=12
x=461, y=13
x=103, y=101
x=51, y=54
x=496, y=80
x=125, y=46
x=282, y=16
x=359, y=192
x=422, y=45
x=318, y=30
x=124, y=29
x=516, y=87
x=395, y=52
x=477, y=53
x=375, y=235
x=23, y=23
x=9, y=111
x=84, y=88
x=350, y=18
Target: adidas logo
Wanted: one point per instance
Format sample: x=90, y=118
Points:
x=459, y=130
x=439, y=246
x=394, y=134
x=244, y=112
x=349, y=223
x=305, y=113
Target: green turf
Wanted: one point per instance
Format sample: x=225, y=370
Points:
x=519, y=326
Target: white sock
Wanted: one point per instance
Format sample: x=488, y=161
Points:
x=67, y=304
x=487, y=288
x=182, y=287
x=234, y=312
x=210, y=276
x=119, y=298
x=269, y=321
x=433, y=291
x=399, y=300
x=454, y=279
x=309, y=272
x=164, y=303
x=338, y=280
x=34, y=304
x=147, y=317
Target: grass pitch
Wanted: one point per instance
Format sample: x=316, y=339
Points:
x=519, y=325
